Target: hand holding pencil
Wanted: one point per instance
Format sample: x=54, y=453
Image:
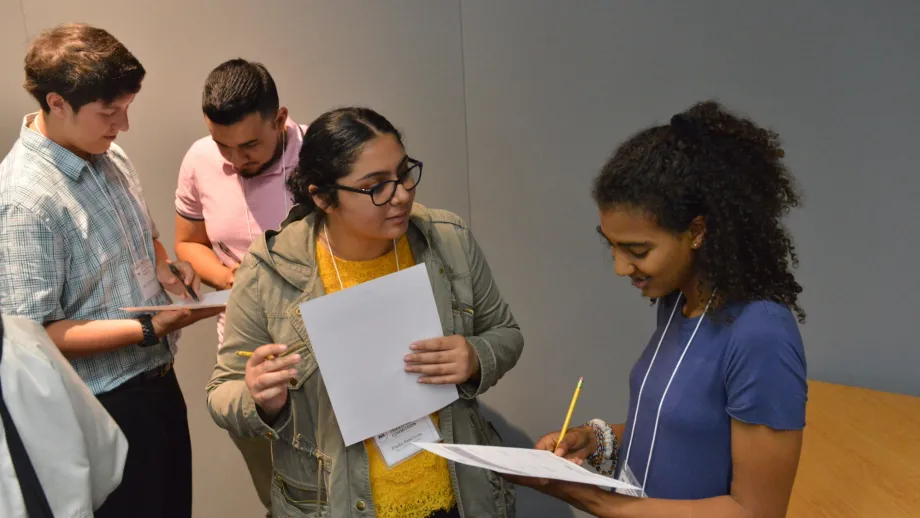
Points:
x=574, y=444
x=268, y=374
x=178, y=278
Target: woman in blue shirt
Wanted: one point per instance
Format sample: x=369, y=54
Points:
x=692, y=212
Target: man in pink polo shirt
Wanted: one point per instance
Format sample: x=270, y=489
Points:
x=231, y=189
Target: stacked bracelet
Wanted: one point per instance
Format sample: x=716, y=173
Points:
x=607, y=447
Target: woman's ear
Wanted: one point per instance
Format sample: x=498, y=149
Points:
x=320, y=199
x=697, y=232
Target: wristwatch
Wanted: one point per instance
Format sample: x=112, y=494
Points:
x=150, y=335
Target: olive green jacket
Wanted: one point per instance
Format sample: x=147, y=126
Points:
x=314, y=473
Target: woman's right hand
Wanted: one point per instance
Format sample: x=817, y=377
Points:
x=267, y=377
x=576, y=446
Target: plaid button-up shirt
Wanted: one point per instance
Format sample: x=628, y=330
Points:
x=70, y=232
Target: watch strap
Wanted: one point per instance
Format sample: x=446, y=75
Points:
x=150, y=335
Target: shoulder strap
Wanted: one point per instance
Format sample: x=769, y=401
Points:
x=32, y=493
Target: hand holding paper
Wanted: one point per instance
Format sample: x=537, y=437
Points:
x=450, y=360
x=375, y=394
x=165, y=322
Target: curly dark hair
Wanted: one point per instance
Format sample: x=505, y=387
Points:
x=710, y=162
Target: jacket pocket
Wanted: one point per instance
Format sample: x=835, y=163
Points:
x=464, y=317
x=283, y=333
x=290, y=501
x=299, y=480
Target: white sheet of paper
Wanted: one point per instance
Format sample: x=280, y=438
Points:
x=521, y=461
x=213, y=299
x=359, y=338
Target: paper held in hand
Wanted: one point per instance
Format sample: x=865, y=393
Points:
x=214, y=299
x=522, y=462
x=360, y=337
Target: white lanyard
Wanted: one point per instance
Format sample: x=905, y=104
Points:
x=339, y=277
x=664, y=333
x=111, y=200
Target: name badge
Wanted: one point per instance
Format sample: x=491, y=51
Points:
x=146, y=276
x=627, y=477
x=397, y=445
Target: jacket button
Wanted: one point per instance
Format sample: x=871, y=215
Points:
x=269, y=435
x=360, y=505
x=293, y=382
x=297, y=311
x=441, y=271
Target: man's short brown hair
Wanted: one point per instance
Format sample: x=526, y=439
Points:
x=82, y=64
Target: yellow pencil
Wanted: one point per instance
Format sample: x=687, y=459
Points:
x=568, y=417
x=247, y=354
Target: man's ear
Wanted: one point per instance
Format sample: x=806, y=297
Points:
x=58, y=107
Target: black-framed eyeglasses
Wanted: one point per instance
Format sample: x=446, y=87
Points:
x=383, y=192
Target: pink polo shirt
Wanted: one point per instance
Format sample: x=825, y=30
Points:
x=235, y=210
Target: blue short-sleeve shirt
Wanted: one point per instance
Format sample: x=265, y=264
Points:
x=750, y=367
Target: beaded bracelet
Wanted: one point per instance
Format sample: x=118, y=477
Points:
x=607, y=447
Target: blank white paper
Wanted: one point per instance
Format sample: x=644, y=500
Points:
x=360, y=336
x=212, y=299
x=521, y=461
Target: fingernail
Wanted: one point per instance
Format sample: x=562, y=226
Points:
x=295, y=357
x=283, y=347
x=293, y=373
x=407, y=358
x=414, y=347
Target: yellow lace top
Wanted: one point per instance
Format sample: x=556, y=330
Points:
x=420, y=485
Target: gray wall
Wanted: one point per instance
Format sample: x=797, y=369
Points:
x=514, y=106
x=551, y=89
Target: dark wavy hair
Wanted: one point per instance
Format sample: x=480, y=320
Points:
x=710, y=162
x=82, y=64
x=330, y=148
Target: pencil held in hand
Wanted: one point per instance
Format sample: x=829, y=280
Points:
x=568, y=416
x=247, y=354
x=188, y=289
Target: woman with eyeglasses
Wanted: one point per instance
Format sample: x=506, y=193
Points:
x=355, y=221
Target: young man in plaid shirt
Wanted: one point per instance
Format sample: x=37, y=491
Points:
x=77, y=243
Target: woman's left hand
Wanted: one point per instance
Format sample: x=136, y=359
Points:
x=534, y=483
x=450, y=360
x=556, y=488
